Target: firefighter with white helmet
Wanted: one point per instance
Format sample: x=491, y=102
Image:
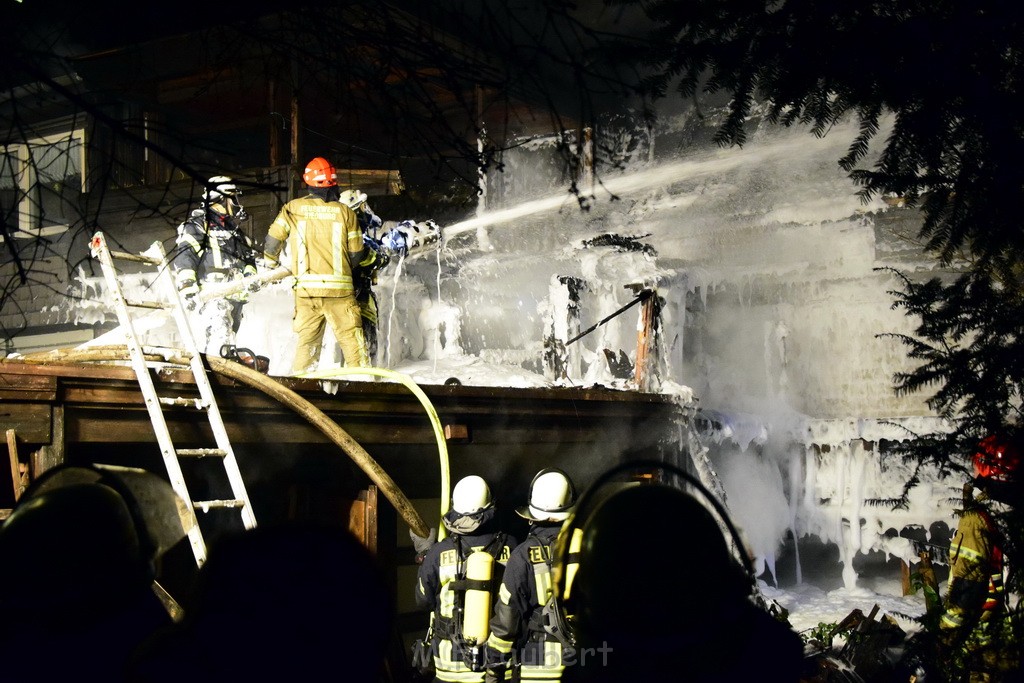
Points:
x=518, y=637
x=458, y=578
x=211, y=248
x=325, y=246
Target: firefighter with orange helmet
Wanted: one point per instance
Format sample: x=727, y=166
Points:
x=211, y=248
x=325, y=246
x=459, y=598
x=973, y=624
x=520, y=642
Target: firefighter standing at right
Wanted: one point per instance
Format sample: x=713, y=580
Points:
x=518, y=639
x=974, y=626
x=376, y=259
x=445, y=574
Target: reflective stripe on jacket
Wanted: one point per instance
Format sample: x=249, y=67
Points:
x=975, y=586
x=321, y=236
x=204, y=255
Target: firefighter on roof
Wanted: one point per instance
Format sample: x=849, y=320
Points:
x=210, y=249
x=376, y=258
x=325, y=247
x=520, y=638
x=458, y=578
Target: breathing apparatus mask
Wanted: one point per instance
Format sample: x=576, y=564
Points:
x=222, y=199
x=462, y=523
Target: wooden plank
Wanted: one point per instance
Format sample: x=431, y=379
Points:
x=371, y=520
x=27, y=387
x=32, y=421
x=9, y=481
x=12, y=452
x=356, y=522
x=90, y=370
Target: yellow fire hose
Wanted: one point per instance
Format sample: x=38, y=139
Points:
x=435, y=421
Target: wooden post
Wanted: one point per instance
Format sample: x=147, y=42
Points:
x=12, y=452
x=930, y=584
x=587, y=162
x=48, y=457
x=646, y=352
x=275, y=125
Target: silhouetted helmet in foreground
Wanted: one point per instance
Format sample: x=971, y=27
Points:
x=609, y=574
x=79, y=540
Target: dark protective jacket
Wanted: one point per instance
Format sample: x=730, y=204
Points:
x=438, y=590
x=375, y=258
x=218, y=254
x=518, y=639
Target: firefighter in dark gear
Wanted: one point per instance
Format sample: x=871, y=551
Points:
x=377, y=258
x=445, y=582
x=211, y=248
x=520, y=643
x=635, y=616
x=325, y=247
x=974, y=626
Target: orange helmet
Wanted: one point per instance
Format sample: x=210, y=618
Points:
x=996, y=459
x=320, y=173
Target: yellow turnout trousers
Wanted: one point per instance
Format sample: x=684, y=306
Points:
x=343, y=315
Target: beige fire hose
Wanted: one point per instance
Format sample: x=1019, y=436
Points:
x=270, y=387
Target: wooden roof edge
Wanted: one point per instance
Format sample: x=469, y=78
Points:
x=93, y=371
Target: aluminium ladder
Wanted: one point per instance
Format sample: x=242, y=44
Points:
x=156, y=256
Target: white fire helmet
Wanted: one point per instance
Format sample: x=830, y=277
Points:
x=471, y=495
x=223, y=196
x=219, y=187
x=551, y=497
x=353, y=199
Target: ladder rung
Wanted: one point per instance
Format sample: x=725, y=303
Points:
x=138, y=258
x=197, y=403
x=146, y=304
x=201, y=452
x=207, y=505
